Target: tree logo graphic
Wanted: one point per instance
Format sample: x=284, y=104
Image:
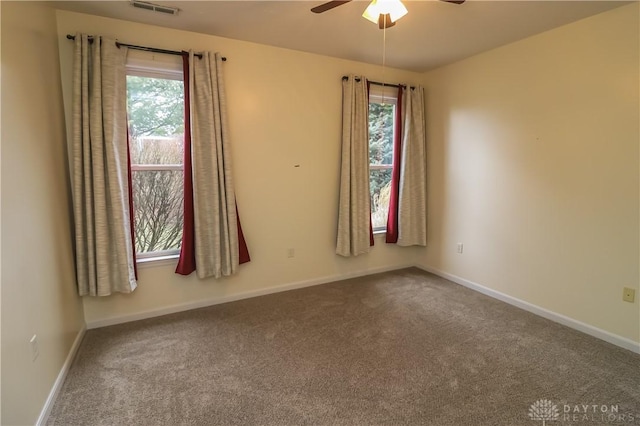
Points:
x=544, y=410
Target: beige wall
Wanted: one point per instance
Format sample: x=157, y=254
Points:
x=38, y=290
x=533, y=165
x=284, y=109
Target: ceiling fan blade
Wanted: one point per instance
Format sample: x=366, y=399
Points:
x=329, y=5
x=454, y=1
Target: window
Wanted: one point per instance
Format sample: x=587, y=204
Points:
x=155, y=106
x=382, y=108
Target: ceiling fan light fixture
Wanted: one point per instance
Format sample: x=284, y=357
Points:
x=394, y=8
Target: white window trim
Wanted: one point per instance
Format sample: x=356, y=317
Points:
x=383, y=94
x=157, y=255
x=378, y=166
x=153, y=73
x=153, y=262
x=156, y=167
x=150, y=67
x=149, y=64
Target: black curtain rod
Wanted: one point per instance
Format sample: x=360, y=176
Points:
x=146, y=48
x=344, y=77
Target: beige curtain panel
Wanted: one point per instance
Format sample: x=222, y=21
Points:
x=104, y=248
x=412, y=199
x=215, y=217
x=354, y=214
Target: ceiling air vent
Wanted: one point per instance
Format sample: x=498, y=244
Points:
x=154, y=7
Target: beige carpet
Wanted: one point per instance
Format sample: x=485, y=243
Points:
x=403, y=347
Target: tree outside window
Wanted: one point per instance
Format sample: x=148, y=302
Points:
x=156, y=131
x=381, y=122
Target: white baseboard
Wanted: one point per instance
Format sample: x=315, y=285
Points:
x=623, y=342
x=239, y=296
x=57, y=385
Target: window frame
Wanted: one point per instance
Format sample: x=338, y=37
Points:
x=383, y=95
x=151, y=67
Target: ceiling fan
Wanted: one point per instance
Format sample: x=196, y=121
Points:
x=384, y=19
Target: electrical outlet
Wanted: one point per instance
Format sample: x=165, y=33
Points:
x=460, y=248
x=34, y=348
x=628, y=294
x=291, y=253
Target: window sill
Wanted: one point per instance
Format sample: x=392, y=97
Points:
x=381, y=232
x=167, y=260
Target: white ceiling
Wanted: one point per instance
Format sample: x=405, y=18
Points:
x=432, y=34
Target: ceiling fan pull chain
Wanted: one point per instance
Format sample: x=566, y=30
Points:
x=384, y=55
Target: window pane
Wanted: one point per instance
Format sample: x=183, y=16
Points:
x=381, y=133
x=380, y=153
x=155, y=109
x=156, y=119
x=157, y=200
x=380, y=183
